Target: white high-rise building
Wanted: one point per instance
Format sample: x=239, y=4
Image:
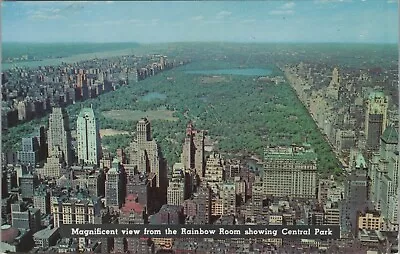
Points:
x=88, y=137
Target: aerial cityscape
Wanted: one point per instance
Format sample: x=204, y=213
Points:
x=274, y=113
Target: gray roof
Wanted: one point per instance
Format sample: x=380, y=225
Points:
x=390, y=135
x=45, y=233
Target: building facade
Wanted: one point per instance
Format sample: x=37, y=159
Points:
x=30, y=151
x=376, y=107
x=88, y=137
x=290, y=171
x=193, y=150
x=59, y=134
x=146, y=156
x=114, y=194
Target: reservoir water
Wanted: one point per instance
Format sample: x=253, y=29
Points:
x=242, y=72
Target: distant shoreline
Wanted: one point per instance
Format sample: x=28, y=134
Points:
x=69, y=59
x=143, y=48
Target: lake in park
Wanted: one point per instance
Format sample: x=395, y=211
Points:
x=242, y=72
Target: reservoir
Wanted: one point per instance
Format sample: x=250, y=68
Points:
x=238, y=71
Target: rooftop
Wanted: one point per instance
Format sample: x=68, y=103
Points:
x=9, y=234
x=360, y=161
x=390, y=135
x=132, y=207
x=86, y=111
x=45, y=233
x=376, y=94
x=304, y=153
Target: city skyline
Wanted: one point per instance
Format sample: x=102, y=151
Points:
x=345, y=21
x=154, y=142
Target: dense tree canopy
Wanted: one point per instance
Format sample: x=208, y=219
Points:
x=243, y=114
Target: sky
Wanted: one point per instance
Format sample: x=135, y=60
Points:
x=355, y=21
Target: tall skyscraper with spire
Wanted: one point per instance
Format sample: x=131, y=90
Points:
x=88, y=137
x=192, y=155
x=59, y=135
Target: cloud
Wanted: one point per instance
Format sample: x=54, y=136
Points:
x=246, y=21
x=218, y=21
x=45, y=14
x=43, y=11
x=52, y=10
x=74, y=8
x=281, y=12
x=139, y=22
x=288, y=5
x=363, y=35
x=223, y=14
x=113, y=22
x=45, y=17
x=198, y=18
x=97, y=24
x=87, y=25
x=44, y=3
x=109, y=2
x=134, y=21
x=286, y=9
x=331, y=1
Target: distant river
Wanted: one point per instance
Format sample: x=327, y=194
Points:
x=243, y=72
x=143, y=49
x=69, y=59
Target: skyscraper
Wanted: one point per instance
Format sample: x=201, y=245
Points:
x=162, y=62
x=257, y=196
x=333, y=88
x=355, y=200
x=41, y=199
x=114, y=195
x=176, y=193
x=202, y=199
x=176, y=187
x=59, y=135
x=375, y=118
x=28, y=183
x=193, y=150
x=214, y=172
x=88, y=137
x=143, y=131
x=30, y=151
x=385, y=176
x=146, y=155
x=228, y=196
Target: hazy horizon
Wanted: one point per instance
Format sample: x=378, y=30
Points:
x=183, y=42
x=313, y=21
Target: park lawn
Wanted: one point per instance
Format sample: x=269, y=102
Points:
x=135, y=115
